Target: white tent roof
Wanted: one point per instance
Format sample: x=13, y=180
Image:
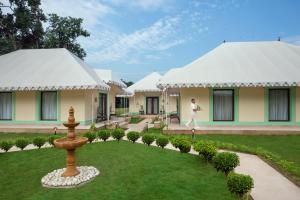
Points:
x=147, y=84
x=238, y=64
x=46, y=69
x=109, y=77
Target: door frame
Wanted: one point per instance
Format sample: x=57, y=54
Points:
x=152, y=105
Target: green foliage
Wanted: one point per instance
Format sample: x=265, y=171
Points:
x=39, y=141
x=133, y=136
x=91, y=136
x=104, y=134
x=148, y=139
x=183, y=143
x=62, y=32
x=52, y=138
x=118, y=133
x=239, y=184
x=226, y=162
x=22, y=143
x=21, y=27
x=206, y=148
x=162, y=141
x=93, y=128
x=6, y=145
x=135, y=120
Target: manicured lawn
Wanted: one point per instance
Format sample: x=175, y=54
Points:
x=136, y=120
x=29, y=136
x=127, y=171
x=287, y=146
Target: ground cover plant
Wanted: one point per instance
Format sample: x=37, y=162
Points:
x=136, y=120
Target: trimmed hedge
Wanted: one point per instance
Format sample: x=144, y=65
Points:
x=182, y=143
x=162, y=141
x=22, y=143
x=104, y=134
x=148, y=139
x=39, y=141
x=240, y=184
x=118, y=133
x=91, y=136
x=206, y=148
x=6, y=145
x=133, y=136
x=226, y=162
x=52, y=138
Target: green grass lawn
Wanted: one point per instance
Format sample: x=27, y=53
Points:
x=136, y=120
x=29, y=136
x=127, y=171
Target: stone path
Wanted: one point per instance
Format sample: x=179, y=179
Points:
x=269, y=184
x=139, y=127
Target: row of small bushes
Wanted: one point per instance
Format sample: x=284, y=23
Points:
x=104, y=134
x=225, y=162
x=22, y=142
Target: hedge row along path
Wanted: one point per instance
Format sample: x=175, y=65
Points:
x=268, y=183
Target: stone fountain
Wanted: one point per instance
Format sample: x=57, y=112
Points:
x=70, y=176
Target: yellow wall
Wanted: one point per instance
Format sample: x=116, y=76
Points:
x=25, y=105
x=251, y=104
x=76, y=99
x=91, y=104
x=138, y=100
x=298, y=104
x=201, y=95
x=114, y=90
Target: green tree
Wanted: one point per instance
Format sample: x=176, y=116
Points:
x=21, y=27
x=62, y=32
x=127, y=83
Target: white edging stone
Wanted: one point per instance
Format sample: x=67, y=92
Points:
x=55, y=180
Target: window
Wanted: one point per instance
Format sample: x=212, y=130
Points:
x=6, y=106
x=49, y=106
x=223, y=102
x=279, y=105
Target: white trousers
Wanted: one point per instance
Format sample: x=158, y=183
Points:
x=192, y=120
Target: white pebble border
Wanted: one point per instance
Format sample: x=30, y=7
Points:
x=55, y=180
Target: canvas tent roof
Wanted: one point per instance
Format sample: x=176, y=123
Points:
x=46, y=69
x=272, y=63
x=109, y=77
x=147, y=84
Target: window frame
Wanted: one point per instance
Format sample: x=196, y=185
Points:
x=12, y=104
x=41, y=106
x=232, y=102
x=289, y=105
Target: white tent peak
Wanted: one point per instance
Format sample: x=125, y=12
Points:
x=266, y=63
x=147, y=84
x=46, y=69
x=109, y=77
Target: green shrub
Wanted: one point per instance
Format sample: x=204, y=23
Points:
x=22, y=143
x=183, y=143
x=6, y=145
x=206, y=148
x=118, y=133
x=148, y=139
x=184, y=146
x=162, y=141
x=226, y=162
x=91, y=136
x=52, y=138
x=93, y=128
x=104, y=134
x=133, y=136
x=240, y=184
x=39, y=142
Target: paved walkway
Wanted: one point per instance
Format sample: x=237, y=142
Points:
x=269, y=184
x=139, y=127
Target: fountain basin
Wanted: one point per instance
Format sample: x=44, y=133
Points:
x=68, y=144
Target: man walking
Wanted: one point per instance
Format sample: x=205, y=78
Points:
x=193, y=110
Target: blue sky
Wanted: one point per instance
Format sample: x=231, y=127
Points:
x=137, y=37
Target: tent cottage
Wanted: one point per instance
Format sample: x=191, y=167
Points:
x=38, y=86
x=241, y=83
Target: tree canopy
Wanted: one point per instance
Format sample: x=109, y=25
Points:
x=21, y=27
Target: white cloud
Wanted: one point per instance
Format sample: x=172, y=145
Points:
x=142, y=4
x=90, y=10
x=160, y=36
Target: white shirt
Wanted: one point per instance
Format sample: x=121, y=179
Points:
x=193, y=108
